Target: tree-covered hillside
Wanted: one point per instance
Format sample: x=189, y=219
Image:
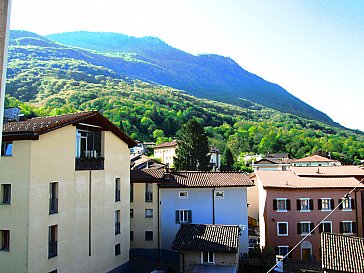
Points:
x=47, y=78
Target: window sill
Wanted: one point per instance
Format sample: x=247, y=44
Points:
x=305, y=210
x=281, y=235
x=346, y=210
x=326, y=210
x=5, y=250
x=348, y=233
x=5, y=204
x=305, y=234
x=282, y=210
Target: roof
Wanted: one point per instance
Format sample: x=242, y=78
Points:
x=187, y=179
x=33, y=128
x=344, y=171
x=141, y=161
x=342, y=253
x=289, y=180
x=217, y=238
x=314, y=158
x=166, y=144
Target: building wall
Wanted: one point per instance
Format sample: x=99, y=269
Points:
x=294, y=216
x=166, y=154
x=230, y=210
x=52, y=159
x=253, y=201
x=139, y=223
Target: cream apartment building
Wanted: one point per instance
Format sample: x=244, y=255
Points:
x=64, y=195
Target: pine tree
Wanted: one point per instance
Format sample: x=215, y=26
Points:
x=192, y=148
x=228, y=159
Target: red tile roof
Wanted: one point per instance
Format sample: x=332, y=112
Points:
x=289, y=180
x=187, y=179
x=32, y=128
x=166, y=144
x=216, y=238
x=314, y=158
x=344, y=171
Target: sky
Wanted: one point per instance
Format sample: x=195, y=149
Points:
x=314, y=49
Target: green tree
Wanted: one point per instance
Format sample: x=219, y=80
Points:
x=192, y=148
x=228, y=159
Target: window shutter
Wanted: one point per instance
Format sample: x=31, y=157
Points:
x=311, y=204
x=319, y=204
x=177, y=217
x=277, y=250
x=298, y=204
x=288, y=204
x=290, y=254
x=341, y=227
x=312, y=226
x=321, y=228
x=189, y=216
x=275, y=205
x=332, y=204
x=354, y=227
x=352, y=203
x=341, y=205
x=299, y=228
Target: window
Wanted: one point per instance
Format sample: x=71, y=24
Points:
x=304, y=228
x=148, y=213
x=326, y=227
x=53, y=197
x=148, y=192
x=325, y=204
x=304, y=204
x=131, y=213
x=5, y=240
x=347, y=227
x=117, y=222
x=183, y=194
x=207, y=257
x=131, y=235
x=183, y=216
x=117, y=189
x=347, y=204
x=88, y=142
x=52, y=241
x=131, y=192
x=117, y=250
x=219, y=194
x=281, y=204
x=6, y=149
x=282, y=228
x=149, y=235
x=6, y=193
x=283, y=250
x=53, y=271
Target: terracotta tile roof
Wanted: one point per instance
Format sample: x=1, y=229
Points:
x=314, y=158
x=166, y=144
x=341, y=253
x=191, y=179
x=32, y=128
x=345, y=171
x=217, y=238
x=289, y=180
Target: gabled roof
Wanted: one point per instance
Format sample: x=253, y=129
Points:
x=314, y=158
x=216, y=238
x=344, y=171
x=166, y=144
x=33, y=128
x=289, y=180
x=341, y=253
x=187, y=179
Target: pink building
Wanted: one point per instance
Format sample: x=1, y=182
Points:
x=290, y=206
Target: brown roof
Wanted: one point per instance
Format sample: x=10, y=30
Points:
x=32, y=128
x=166, y=144
x=188, y=179
x=289, y=180
x=314, y=158
x=217, y=238
x=341, y=253
x=345, y=171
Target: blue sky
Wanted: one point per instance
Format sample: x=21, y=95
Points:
x=314, y=49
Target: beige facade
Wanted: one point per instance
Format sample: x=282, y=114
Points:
x=83, y=226
x=166, y=154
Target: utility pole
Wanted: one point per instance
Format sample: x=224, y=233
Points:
x=5, y=6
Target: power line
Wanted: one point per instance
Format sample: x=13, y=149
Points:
x=346, y=196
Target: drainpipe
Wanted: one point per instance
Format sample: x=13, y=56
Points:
x=213, y=206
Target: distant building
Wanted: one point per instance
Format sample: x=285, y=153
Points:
x=215, y=158
x=315, y=161
x=166, y=152
x=141, y=161
x=141, y=148
x=64, y=189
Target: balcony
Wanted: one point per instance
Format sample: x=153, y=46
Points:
x=89, y=163
x=52, y=249
x=53, y=205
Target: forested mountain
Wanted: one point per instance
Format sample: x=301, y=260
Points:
x=48, y=78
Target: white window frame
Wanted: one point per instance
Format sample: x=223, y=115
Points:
x=208, y=257
x=183, y=215
x=327, y=222
x=309, y=227
x=351, y=227
x=329, y=202
x=285, y=204
x=308, y=200
x=219, y=194
x=182, y=193
x=279, y=234
x=281, y=247
x=348, y=208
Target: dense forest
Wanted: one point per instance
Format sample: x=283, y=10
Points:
x=42, y=81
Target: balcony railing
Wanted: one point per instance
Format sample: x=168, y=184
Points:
x=89, y=163
x=53, y=205
x=117, y=195
x=52, y=249
x=117, y=228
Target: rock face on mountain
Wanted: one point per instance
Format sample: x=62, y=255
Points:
x=151, y=60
